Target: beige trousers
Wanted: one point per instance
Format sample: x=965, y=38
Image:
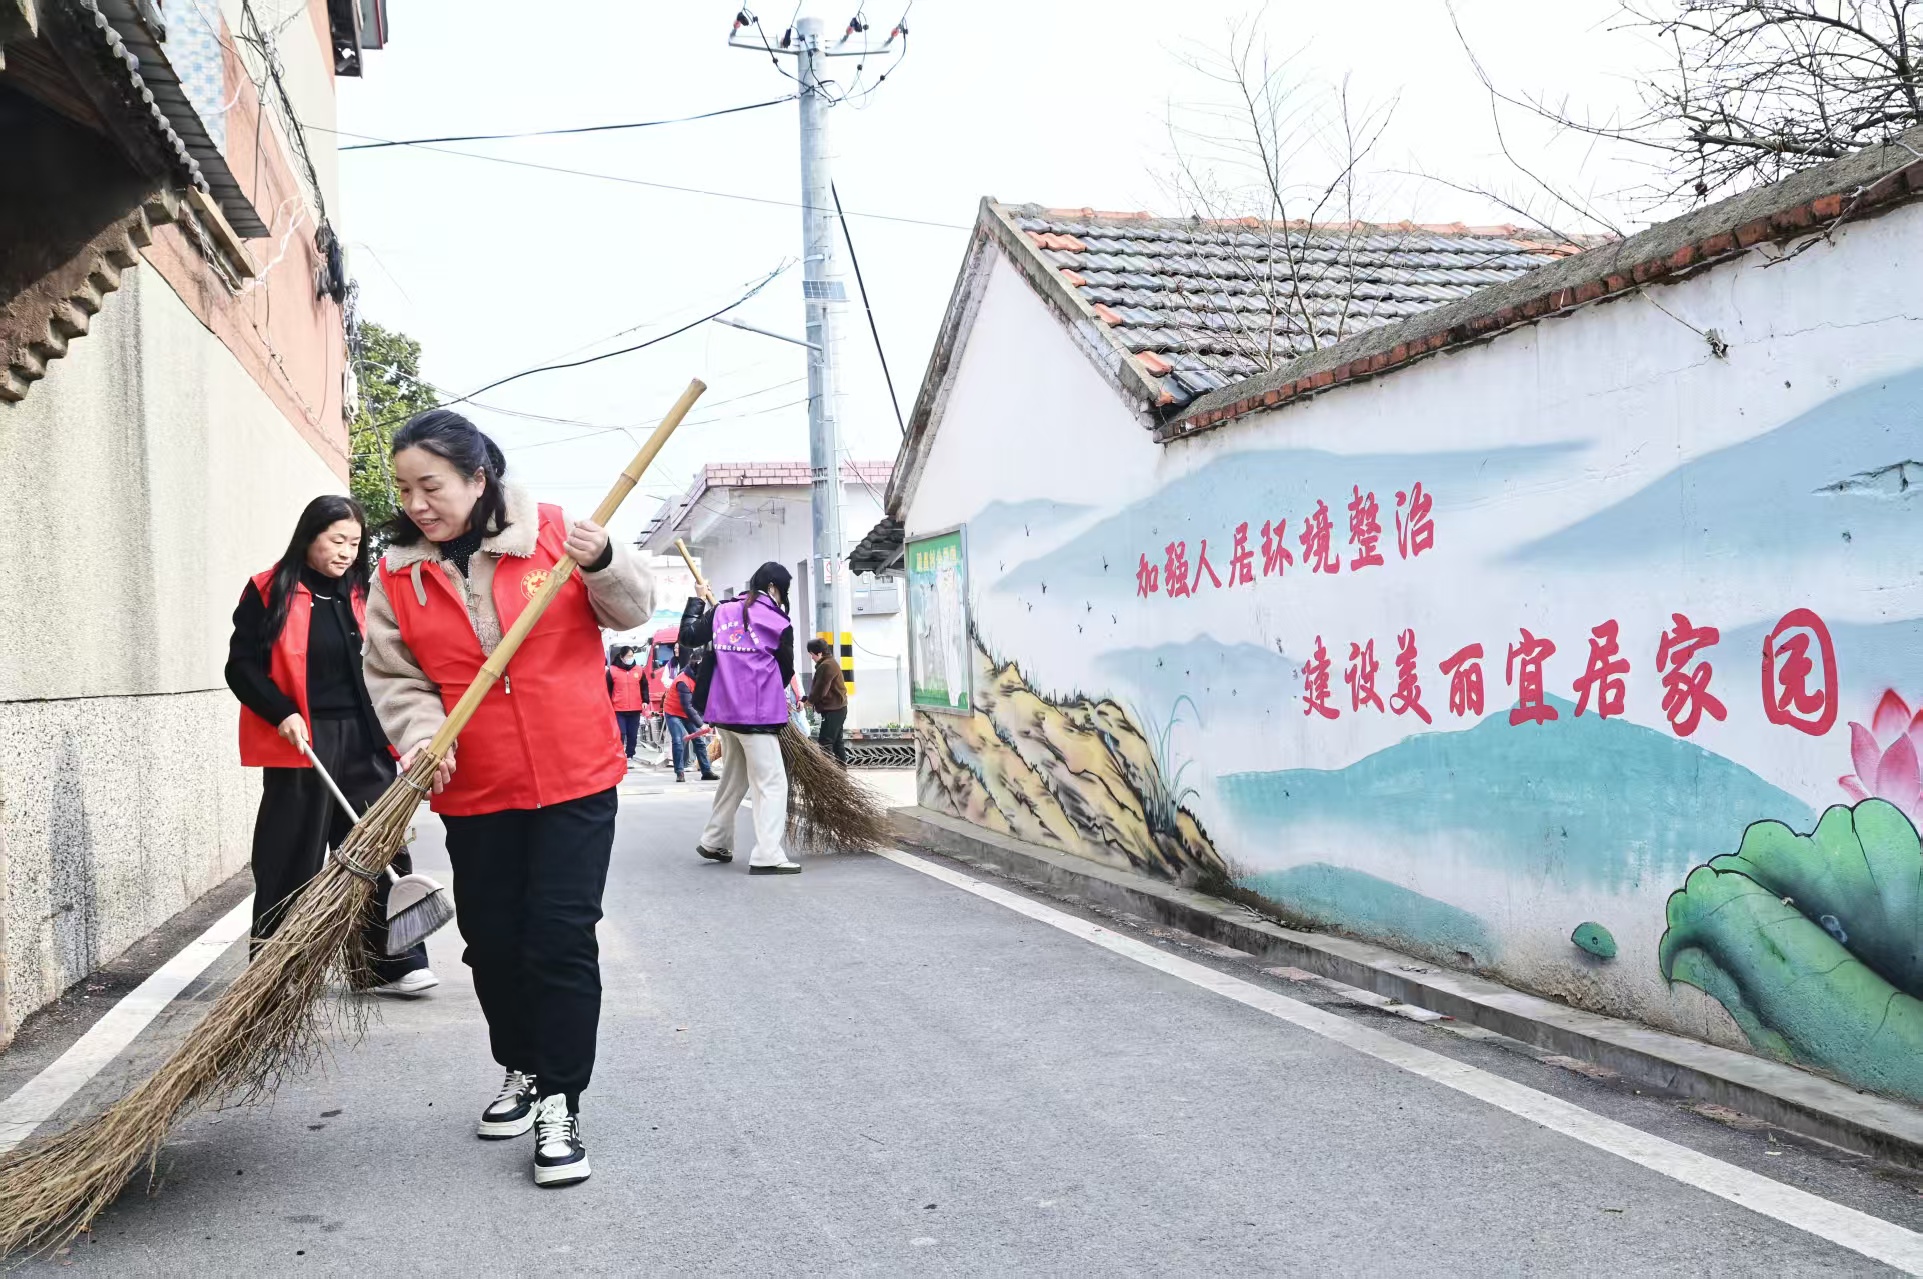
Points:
x=750, y=764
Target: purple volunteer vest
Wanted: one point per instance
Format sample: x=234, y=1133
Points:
x=746, y=688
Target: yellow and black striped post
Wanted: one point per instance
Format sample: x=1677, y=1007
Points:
x=847, y=652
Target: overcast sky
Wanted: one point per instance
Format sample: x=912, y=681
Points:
x=496, y=267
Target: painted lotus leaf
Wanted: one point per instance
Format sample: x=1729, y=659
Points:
x=1595, y=939
x=1814, y=943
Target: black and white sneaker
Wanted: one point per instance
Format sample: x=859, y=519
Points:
x=512, y=1113
x=560, y=1156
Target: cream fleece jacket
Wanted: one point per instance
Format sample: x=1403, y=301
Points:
x=407, y=701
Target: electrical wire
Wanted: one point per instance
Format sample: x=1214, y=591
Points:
x=667, y=186
x=605, y=355
x=553, y=133
x=872, y=329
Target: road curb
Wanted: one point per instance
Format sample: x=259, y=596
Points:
x=1779, y=1094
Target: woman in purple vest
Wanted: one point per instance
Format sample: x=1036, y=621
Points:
x=741, y=687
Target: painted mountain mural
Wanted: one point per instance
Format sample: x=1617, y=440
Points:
x=1605, y=802
x=1074, y=773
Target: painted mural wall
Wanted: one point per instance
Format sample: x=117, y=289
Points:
x=1586, y=658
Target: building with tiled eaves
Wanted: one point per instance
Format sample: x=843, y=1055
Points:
x=1559, y=624
x=174, y=389
x=1169, y=309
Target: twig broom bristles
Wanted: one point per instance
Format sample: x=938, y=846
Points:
x=826, y=807
x=270, y=1019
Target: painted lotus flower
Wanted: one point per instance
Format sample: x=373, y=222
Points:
x=1886, y=756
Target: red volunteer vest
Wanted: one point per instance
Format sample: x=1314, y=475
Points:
x=545, y=733
x=260, y=745
x=627, y=688
x=675, y=701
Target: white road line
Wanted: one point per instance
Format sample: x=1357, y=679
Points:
x=40, y=1097
x=1858, y=1231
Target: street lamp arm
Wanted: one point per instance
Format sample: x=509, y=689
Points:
x=766, y=333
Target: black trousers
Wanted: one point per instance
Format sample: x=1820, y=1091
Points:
x=527, y=895
x=299, y=820
x=829, y=734
x=630, y=722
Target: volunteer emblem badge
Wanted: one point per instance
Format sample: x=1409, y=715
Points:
x=533, y=582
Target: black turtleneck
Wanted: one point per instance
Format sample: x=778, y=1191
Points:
x=459, y=551
x=333, y=649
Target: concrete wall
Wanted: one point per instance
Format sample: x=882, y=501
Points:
x=140, y=485
x=1593, y=477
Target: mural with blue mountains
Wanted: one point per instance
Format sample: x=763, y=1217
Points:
x=1584, y=802
x=1837, y=482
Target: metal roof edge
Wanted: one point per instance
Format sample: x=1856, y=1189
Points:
x=1813, y=202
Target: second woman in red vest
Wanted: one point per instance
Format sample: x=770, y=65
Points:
x=295, y=664
x=528, y=797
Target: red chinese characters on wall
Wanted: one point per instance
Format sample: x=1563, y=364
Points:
x=1799, y=672
x=1174, y=577
x=1795, y=692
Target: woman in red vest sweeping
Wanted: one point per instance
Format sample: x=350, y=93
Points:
x=528, y=797
x=295, y=663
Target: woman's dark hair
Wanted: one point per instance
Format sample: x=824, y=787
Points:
x=817, y=646
x=321, y=514
x=773, y=575
x=464, y=446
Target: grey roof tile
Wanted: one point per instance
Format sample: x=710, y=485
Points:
x=1222, y=302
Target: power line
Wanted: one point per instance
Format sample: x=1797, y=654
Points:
x=661, y=186
x=605, y=355
x=863, y=286
x=553, y=133
x=625, y=350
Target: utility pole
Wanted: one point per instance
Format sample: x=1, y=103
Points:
x=822, y=290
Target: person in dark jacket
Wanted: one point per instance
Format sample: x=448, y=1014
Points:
x=828, y=694
x=295, y=664
x=684, y=721
x=742, y=688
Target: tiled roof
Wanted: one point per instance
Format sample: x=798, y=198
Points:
x=1197, y=303
x=879, y=550
x=759, y=474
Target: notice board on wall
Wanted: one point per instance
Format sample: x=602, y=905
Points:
x=939, y=662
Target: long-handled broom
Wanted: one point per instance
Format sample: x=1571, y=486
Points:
x=826, y=807
x=271, y=1019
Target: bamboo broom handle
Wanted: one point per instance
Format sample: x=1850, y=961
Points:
x=492, y=669
x=700, y=583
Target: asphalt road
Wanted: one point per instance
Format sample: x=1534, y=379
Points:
x=865, y=1070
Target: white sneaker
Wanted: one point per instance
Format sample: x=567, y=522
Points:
x=512, y=1112
x=783, y=867
x=408, y=985
x=560, y=1156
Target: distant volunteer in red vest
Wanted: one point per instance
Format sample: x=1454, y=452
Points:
x=628, y=689
x=528, y=796
x=295, y=663
x=684, y=721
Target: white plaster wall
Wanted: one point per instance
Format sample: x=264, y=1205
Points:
x=1625, y=392
x=141, y=483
